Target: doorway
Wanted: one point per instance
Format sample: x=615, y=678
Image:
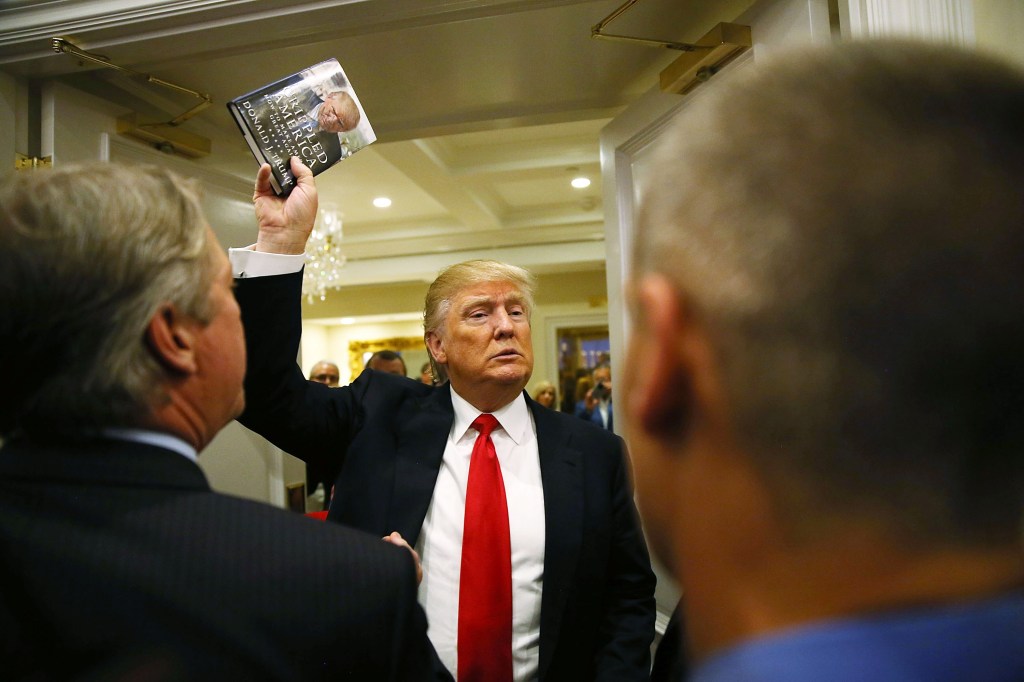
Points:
x=580, y=349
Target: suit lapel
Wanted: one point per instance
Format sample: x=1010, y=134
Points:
x=420, y=448
x=561, y=468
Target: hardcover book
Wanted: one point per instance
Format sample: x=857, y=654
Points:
x=313, y=114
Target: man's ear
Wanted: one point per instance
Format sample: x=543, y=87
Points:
x=662, y=391
x=436, y=347
x=171, y=337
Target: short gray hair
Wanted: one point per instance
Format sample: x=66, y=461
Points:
x=848, y=224
x=88, y=253
x=454, y=279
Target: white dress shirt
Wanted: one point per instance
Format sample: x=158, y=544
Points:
x=440, y=540
x=250, y=263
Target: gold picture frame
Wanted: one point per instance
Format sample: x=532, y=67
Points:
x=357, y=351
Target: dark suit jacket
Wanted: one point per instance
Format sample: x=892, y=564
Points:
x=117, y=561
x=389, y=433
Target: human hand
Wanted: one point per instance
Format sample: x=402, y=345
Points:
x=285, y=222
x=396, y=539
x=602, y=391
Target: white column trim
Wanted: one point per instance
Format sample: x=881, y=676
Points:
x=274, y=460
x=950, y=21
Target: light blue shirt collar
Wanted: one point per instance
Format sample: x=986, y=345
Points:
x=157, y=438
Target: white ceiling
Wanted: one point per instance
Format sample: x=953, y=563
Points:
x=483, y=109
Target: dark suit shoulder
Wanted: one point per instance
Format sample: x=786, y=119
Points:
x=214, y=585
x=391, y=399
x=345, y=556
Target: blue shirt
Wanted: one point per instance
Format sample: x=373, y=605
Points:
x=977, y=641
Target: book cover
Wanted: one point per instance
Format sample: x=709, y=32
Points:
x=313, y=114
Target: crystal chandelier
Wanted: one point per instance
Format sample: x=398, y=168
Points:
x=324, y=259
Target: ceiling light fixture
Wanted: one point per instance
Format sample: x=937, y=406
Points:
x=581, y=182
x=382, y=202
x=324, y=259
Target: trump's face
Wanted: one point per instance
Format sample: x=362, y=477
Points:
x=338, y=113
x=485, y=341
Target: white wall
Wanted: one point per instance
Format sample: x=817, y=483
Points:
x=999, y=27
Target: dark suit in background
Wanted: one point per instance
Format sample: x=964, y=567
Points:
x=594, y=415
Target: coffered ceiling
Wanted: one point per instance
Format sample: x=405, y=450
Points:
x=484, y=109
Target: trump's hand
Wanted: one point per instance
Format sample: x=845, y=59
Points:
x=285, y=222
x=396, y=539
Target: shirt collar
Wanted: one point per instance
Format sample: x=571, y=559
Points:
x=157, y=438
x=514, y=418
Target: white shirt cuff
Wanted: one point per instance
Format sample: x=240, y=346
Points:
x=249, y=263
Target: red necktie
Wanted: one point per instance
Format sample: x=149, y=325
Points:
x=485, y=586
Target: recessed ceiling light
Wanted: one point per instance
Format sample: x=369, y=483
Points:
x=581, y=182
x=347, y=320
x=382, y=202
